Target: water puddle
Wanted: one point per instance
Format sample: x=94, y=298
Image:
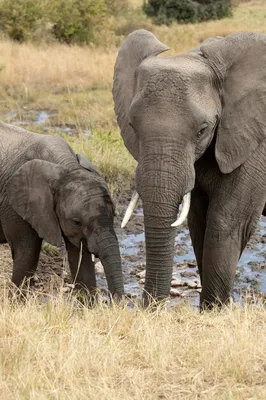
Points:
x=44, y=119
x=251, y=271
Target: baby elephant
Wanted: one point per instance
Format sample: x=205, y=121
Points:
x=48, y=192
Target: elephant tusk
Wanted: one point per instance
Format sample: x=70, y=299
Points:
x=130, y=209
x=92, y=258
x=184, y=212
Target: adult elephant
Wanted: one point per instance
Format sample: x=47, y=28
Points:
x=48, y=192
x=196, y=124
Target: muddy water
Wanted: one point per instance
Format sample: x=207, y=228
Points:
x=250, y=275
x=45, y=119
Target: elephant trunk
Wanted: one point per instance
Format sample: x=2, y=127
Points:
x=109, y=254
x=162, y=186
x=159, y=261
x=159, y=237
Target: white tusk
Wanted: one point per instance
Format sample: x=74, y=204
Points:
x=130, y=209
x=184, y=212
x=92, y=257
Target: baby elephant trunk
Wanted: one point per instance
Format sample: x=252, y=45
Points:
x=109, y=254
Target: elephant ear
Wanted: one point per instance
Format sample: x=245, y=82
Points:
x=85, y=163
x=137, y=46
x=30, y=192
x=206, y=41
x=239, y=63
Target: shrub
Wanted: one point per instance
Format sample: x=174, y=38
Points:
x=19, y=18
x=218, y=9
x=79, y=21
x=167, y=11
x=117, y=7
x=76, y=20
x=69, y=21
x=185, y=11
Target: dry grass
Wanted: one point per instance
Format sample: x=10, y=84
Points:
x=30, y=73
x=135, y=3
x=56, y=65
x=75, y=84
x=57, y=351
x=107, y=152
x=90, y=68
x=73, y=81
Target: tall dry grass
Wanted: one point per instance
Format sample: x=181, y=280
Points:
x=84, y=67
x=57, y=351
x=56, y=64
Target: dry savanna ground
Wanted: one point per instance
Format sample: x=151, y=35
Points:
x=59, y=350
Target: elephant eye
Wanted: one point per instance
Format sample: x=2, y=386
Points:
x=76, y=222
x=202, y=131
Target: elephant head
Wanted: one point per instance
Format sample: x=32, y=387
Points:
x=71, y=202
x=170, y=109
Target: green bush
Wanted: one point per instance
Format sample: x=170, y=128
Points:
x=218, y=9
x=167, y=11
x=20, y=18
x=117, y=7
x=69, y=21
x=76, y=20
x=187, y=11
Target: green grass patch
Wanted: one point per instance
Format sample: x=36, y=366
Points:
x=107, y=152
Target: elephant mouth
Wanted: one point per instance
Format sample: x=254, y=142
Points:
x=93, y=256
x=181, y=215
x=84, y=244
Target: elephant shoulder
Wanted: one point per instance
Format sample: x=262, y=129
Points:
x=14, y=143
x=11, y=134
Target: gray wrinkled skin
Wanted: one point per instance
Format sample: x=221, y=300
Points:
x=48, y=192
x=196, y=122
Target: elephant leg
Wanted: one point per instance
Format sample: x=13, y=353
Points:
x=230, y=223
x=84, y=276
x=197, y=223
x=25, y=247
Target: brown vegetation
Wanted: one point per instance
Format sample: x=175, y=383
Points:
x=57, y=351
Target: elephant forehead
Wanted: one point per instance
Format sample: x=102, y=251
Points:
x=174, y=76
x=186, y=64
x=81, y=203
x=83, y=188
